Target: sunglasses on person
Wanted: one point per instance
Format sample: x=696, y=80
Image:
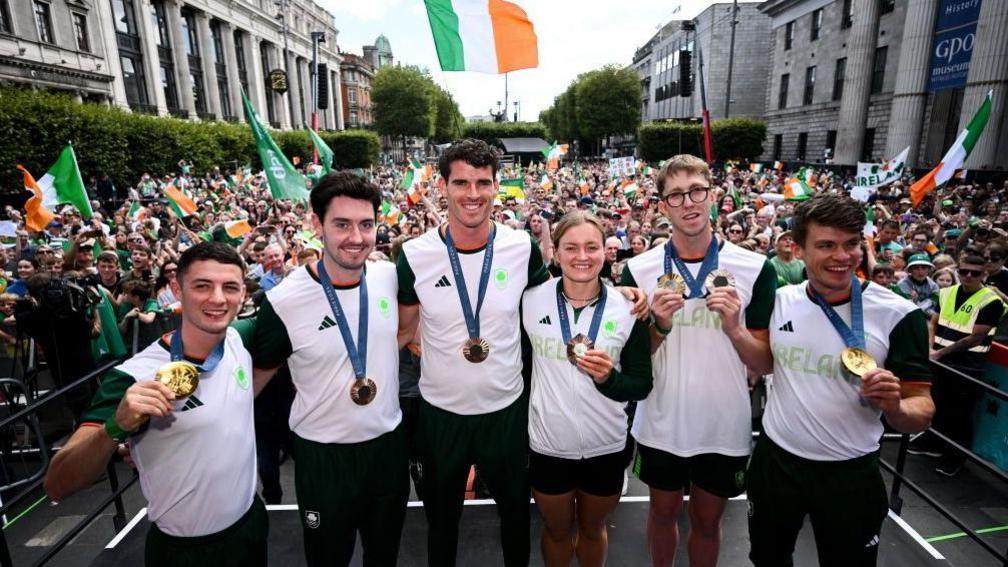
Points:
x=965, y=272
x=735, y=231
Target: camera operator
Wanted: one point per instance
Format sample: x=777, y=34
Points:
x=60, y=316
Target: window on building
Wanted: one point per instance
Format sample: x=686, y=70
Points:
x=352, y=95
x=168, y=86
x=838, y=77
x=160, y=20
x=778, y=143
x=846, y=14
x=868, y=145
x=199, y=96
x=831, y=142
x=189, y=34
x=810, y=73
x=5, y=18
x=239, y=43
x=81, y=31
x=270, y=106
x=782, y=93
x=788, y=35
x=802, y=145
x=878, y=69
x=43, y=22
x=218, y=42
x=133, y=78
x=816, y=24
x=225, y=96
x=125, y=17
x=886, y=6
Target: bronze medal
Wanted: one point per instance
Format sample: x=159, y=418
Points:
x=857, y=361
x=672, y=282
x=363, y=391
x=475, y=350
x=719, y=278
x=180, y=377
x=577, y=347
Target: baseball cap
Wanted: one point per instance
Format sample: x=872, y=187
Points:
x=919, y=260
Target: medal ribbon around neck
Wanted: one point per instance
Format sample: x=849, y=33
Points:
x=596, y=321
x=471, y=319
x=853, y=336
x=208, y=364
x=356, y=352
x=710, y=263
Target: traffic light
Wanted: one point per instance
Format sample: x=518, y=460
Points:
x=685, y=72
x=323, y=86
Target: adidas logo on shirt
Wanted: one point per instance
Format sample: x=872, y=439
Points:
x=326, y=323
x=192, y=403
x=545, y=321
x=788, y=327
x=443, y=282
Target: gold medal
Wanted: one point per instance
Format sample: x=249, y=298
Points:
x=180, y=377
x=719, y=278
x=577, y=347
x=475, y=350
x=672, y=282
x=363, y=391
x=857, y=361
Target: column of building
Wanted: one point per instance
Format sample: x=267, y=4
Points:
x=857, y=84
x=336, y=92
x=111, y=48
x=280, y=102
x=208, y=54
x=988, y=70
x=151, y=63
x=293, y=104
x=906, y=118
x=256, y=75
x=180, y=58
x=231, y=66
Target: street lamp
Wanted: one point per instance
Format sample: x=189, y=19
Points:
x=317, y=37
x=516, y=111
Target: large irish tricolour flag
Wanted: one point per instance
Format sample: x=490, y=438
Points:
x=489, y=36
x=955, y=156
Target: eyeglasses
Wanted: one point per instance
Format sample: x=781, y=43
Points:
x=735, y=230
x=170, y=270
x=967, y=273
x=696, y=194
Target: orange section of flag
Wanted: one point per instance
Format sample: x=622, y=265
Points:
x=180, y=198
x=924, y=185
x=37, y=217
x=514, y=37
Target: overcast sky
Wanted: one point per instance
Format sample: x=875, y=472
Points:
x=574, y=36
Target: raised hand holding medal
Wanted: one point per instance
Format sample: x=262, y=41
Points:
x=474, y=349
x=855, y=360
x=363, y=390
x=581, y=348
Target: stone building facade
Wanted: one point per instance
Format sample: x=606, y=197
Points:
x=190, y=59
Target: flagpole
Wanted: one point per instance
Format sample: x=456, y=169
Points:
x=708, y=152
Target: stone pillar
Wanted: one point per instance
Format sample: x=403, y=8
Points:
x=280, y=102
x=293, y=90
x=906, y=118
x=256, y=75
x=988, y=70
x=183, y=81
x=151, y=62
x=336, y=92
x=111, y=49
x=208, y=57
x=330, y=112
x=231, y=67
x=857, y=84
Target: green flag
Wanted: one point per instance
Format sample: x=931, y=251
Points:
x=63, y=184
x=325, y=154
x=284, y=181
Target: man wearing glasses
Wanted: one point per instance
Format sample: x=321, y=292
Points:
x=962, y=330
x=695, y=427
x=997, y=274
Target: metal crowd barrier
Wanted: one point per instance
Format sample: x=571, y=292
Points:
x=900, y=479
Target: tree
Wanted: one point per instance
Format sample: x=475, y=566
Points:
x=608, y=102
x=448, y=120
x=403, y=103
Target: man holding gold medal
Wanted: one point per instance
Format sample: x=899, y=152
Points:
x=335, y=324
x=185, y=404
x=710, y=303
x=845, y=354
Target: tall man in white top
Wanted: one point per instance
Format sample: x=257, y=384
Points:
x=468, y=275
x=710, y=302
x=335, y=324
x=845, y=353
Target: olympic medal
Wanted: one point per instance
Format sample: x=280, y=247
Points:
x=857, y=361
x=475, y=350
x=180, y=377
x=672, y=282
x=719, y=278
x=577, y=347
x=363, y=391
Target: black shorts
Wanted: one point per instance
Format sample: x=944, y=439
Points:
x=721, y=475
x=598, y=476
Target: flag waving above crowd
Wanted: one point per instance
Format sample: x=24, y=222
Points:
x=488, y=36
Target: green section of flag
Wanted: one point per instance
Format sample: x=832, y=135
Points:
x=285, y=182
x=444, y=23
x=325, y=153
x=976, y=125
x=67, y=183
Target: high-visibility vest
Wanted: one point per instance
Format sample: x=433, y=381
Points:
x=955, y=324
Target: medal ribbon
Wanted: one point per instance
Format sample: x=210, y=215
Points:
x=471, y=319
x=710, y=263
x=356, y=352
x=596, y=322
x=208, y=364
x=852, y=336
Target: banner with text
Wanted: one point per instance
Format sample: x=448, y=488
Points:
x=952, y=47
x=622, y=167
x=873, y=175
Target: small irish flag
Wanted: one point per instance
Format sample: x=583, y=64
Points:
x=488, y=36
x=180, y=204
x=778, y=165
x=629, y=188
x=137, y=211
x=37, y=217
x=955, y=156
x=237, y=228
x=795, y=189
x=756, y=167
